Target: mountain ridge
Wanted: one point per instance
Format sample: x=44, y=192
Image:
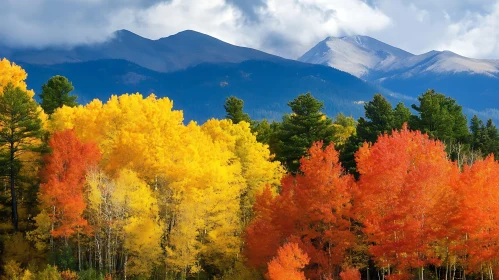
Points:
x=331, y=52
x=168, y=54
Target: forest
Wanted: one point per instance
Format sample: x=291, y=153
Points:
x=128, y=189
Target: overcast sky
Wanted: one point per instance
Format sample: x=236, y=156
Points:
x=284, y=27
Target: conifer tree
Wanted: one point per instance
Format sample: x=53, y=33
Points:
x=20, y=127
x=56, y=93
x=234, y=109
x=306, y=125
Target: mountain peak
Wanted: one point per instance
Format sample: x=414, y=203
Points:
x=124, y=33
x=193, y=37
x=356, y=54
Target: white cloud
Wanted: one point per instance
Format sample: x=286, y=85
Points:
x=284, y=27
x=287, y=28
x=475, y=35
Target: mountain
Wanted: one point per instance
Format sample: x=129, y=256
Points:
x=196, y=71
x=200, y=91
x=357, y=55
x=176, y=52
x=474, y=83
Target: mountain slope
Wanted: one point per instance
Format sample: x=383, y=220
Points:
x=265, y=86
x=357, y=55
x=176, y=52
x=474, y=83
x=371, y=59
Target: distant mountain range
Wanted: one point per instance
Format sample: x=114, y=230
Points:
x=473, y=82
x=198, y=72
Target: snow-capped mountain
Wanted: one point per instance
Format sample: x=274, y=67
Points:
x=372, y=60
x=357, y=55
x=474, y=83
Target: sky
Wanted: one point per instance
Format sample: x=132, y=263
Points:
x=283, y=27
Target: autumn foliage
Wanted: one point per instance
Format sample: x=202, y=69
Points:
x=288, y=263
x=404, y=177
x=478, y=225
x=62, y=189
x=350, y=274
x=134, y=193
x=312, y=209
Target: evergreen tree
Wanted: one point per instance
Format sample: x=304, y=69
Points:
x=379, y=118
x=306, y=125
x=478, y=135
x=401, y=115
x=56, y=93
x=492, y=146
x=234, y=109
x=21, y=129
x=263, y=131
x=441, y=117
x=484, y=137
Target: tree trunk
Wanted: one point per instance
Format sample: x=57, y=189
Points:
x=79, y=252
x=15, y=217
x=124, y=265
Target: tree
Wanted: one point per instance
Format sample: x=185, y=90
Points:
x=441, y=117
x=477, y=219
x=204, y=179
x=306, y=125
x=21, y=130
x=288, y=263
x=401, y=115
x=343, y=128
x=405, y=178
x=484, y=138
x=234, y=109
x=14, y=74
x=263, y=130
x=63, y=187
x=56, y=93
x=312, y=209
x=257, y=165
x=350, y=274
x=63, y=181
x=379, y=118
x=492, y=145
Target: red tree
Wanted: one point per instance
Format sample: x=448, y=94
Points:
x=350, y=274
x=313, y=209
x=63, y=181
x=478, y=194
x=288, y=264
x=404, y=178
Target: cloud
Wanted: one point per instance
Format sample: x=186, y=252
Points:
x=465, y=27
x=283, y=27
x=38, y=23
x=475, y=35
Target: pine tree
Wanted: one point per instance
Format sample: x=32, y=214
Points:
x=441, y=117
x=379, y=118
x=306, y=125
x=56, y=93
x=401, y=115
x=21, y=127
x=234, y=109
